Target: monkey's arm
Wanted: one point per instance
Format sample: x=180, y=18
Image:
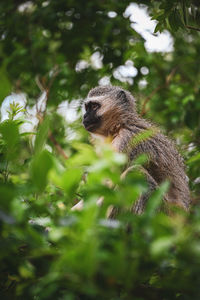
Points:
x=139, y=206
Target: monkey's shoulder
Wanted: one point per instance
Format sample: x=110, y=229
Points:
x=160, y=149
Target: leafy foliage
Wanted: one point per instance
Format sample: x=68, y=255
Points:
x=48, y=250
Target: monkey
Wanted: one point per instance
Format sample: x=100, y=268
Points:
x=110, y=111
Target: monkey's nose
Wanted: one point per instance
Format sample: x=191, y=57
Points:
x=86, y=119
x=85, y=122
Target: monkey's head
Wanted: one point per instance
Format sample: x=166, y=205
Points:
x=106, y=109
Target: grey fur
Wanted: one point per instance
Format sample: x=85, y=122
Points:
x=122, y=123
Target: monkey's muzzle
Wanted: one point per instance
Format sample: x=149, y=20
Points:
x=89, y=126
x=92, y=125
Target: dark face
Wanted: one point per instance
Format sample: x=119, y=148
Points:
x=90, y=119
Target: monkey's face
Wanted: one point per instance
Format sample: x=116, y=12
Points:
x=91, y=119
x=105, y=110
x=102, y=115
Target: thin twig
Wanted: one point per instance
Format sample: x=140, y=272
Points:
x=193, y=28
x=37, y=80
x=144, y=110
x=56, y=72
x=41, y=117
x=57, y=146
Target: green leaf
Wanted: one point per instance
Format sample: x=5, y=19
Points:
x=71, y=179
x=26, y=270
x=10, y=134
x=68, y=180
x=85, y=155
x=161, y=245
x=158, y=28
x=42, y=135
x=175, y=20
x=188, y=98
x=7, y=192
x=166, y=6
x=194, y=158
x=14, y=109
x=40, y=167
x=156, y=199
x=5, y=86
x=143, y=136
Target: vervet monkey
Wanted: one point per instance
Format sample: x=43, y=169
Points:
x=111, y=112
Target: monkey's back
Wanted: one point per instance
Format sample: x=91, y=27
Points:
x=165, y=163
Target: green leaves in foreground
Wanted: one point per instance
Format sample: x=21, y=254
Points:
x=47, y=250
x=52, y=252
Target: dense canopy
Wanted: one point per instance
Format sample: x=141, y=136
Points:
x=51, y=54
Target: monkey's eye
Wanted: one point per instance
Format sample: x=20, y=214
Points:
x=95, y=106
x=92, y=106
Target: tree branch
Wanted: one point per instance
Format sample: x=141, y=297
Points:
x=57, y=146
x=193, y=28
x=41, y=116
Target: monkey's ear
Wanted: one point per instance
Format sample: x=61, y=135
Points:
x=122, y=96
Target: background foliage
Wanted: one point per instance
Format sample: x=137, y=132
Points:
x=48, y=251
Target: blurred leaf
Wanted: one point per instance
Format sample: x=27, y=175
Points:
x=10, y=135
x=156, y=198
x=70, y=180
x=5, y=87
x=84, y=156
x=162, y=245
x=158, y=28
x=40, y=166
x=7, y=192
x=175, y=20
x=194, y=159
x=26, y=270
x=42, y=135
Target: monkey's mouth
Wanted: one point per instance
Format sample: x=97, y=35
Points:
x=91, y=126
